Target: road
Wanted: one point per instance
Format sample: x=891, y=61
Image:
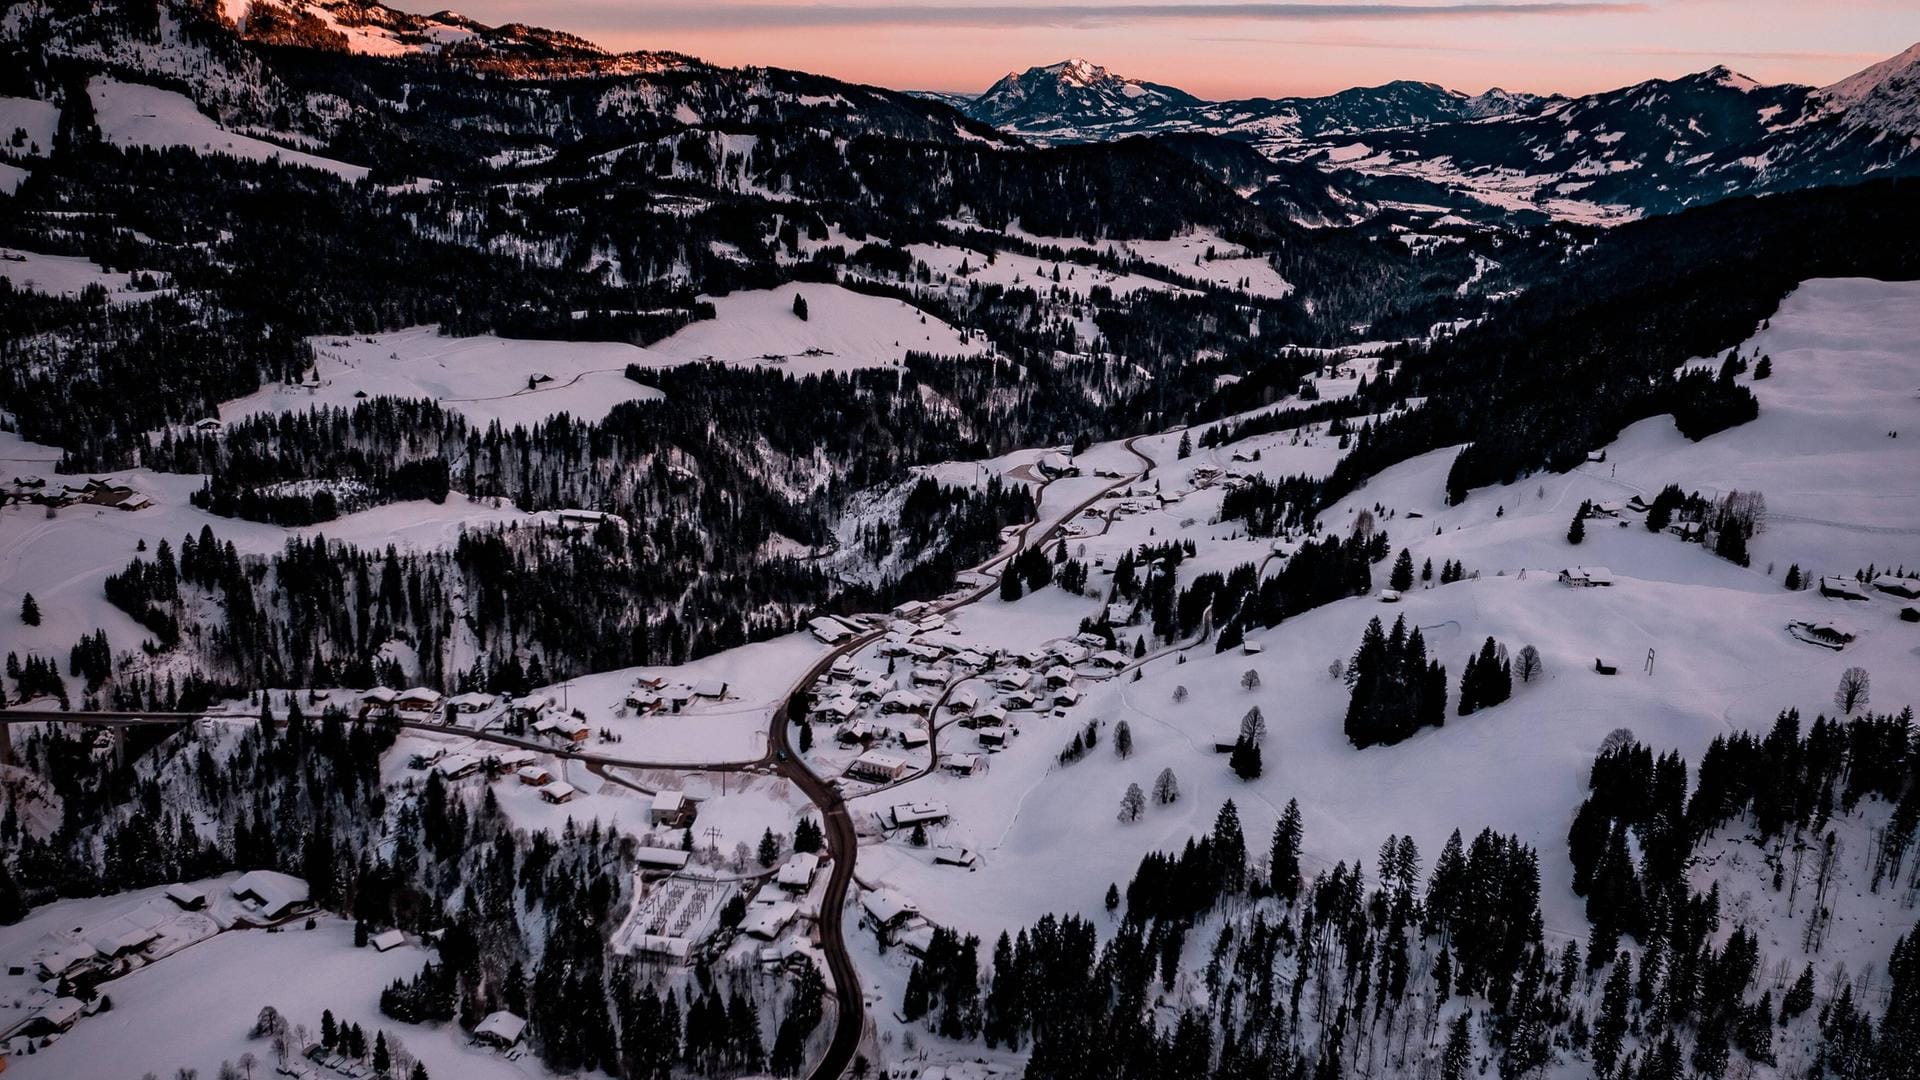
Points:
x=781, y=758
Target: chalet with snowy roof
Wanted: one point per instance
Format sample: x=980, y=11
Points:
x=962, y=700
x=1111, y=659
x=1019, y=699
x=455, y=766
x=1906, y=587
x=911, y=609
x=954, y=855
x=387, y=940
x=986, y=716
x=768, y=921
x=269, y=894
x=65, y=961
x=507, y=761
x=671, y=809
x=913, y=738
x=1826, y=633
x=557, y=792
x=1586, y=577
x=1841, y=587
x=883, y=911
x=642, y=700
x=1013, y=679
x=836, y=710
x=535, y=776
x=713, y=689
x=992, y=738
x=1067, y=696
x=879, y=766
x=828, y=630
x=501, y=1030
x=902, y=701
x=857, y=732
x=567, y=729
x=54, y=1017
x=418, y=699
x=960, y=764
x=907, y=815
x=931, y=676
x=187, y=897
x=1057, y=676
x=472, y=702
x=796, y=874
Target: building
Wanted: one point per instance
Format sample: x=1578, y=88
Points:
x=907, y=815
x=992, y=738
x=661, y=858
x=65, y=962
x=902, y=701
x=960, y=764
x=671, y=809
x=766, y=921
x=269, y=894
x=710, y=688
x=501, y=1029
x=52, y=1018
x=931, y=676
x=884, y=911
x=829, y=630
x=1112, y=659
x=568, y=729
x=914, y=737
x=1906, y=587
x=962, y=701
x=471, y=703
x=507, y=761
x=1841, y=587
x=1586, y=577
x=187, y=897
x=953, y=855
x=557, y=792
x=879, y=767
x=797, y=873
x=387, y=940
x=535, y=775
x=1826, y=633
x=455, y=766
x=418, y=699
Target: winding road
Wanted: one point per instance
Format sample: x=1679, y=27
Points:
x=780, y=759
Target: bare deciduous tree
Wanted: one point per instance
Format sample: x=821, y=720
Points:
x=1855, y=690
x=1166, y=789
x=1529, y=666
x=1132, y=803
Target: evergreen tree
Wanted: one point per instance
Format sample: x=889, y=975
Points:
x=1284, y=860
x=1457, y=1058
x=1402, y=577
x=1577, y=531
x=29, y=610
x=1245, y=759
x=800, y=307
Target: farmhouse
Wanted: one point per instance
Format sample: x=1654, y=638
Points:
x=501, y=1029
x=907, y=815
x=902, y=701
x=1827, y=633
x=1898, y=586
x=829, y=630
x=1841, y=587
x=797, y=873
x=269, y=893
x=65, y=961
x=671, y=809
x=879, y=766
x=1586, y=577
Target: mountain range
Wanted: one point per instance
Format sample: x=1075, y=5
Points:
x=1652, y=147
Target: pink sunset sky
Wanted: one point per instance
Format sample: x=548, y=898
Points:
x=1227, y=48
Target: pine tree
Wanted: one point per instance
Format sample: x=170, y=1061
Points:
x=1799, y=997
x=800, y=307
x=1793, y=578
x=1123, y=740
x=29, y=610
x=1401, y=579
x=1113, y=896
x=1610, y=1028
x=1284, y=860
x=769, y=848
x=1245, y=759
x=1457, y=1058
x=1577, y=531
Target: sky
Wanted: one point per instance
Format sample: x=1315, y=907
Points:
x=1248, y=48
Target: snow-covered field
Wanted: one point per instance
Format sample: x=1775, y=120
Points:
x=843, y=331
x=66, y=275
x=485, y=378
x=134, y=114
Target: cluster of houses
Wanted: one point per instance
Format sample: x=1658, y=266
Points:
x=888, y=715
x=1836, y=634
x=90, y=955
x=653, y=694
x=106, y=493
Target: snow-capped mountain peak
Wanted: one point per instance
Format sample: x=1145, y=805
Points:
x=1885, y=95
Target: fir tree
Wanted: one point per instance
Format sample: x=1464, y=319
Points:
x=29, y=610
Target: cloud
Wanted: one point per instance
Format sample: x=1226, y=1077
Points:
x=769, y=16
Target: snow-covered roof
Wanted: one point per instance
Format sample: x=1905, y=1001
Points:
x=765, y=921
x=535, y=774
x=558, y=791
x=387, y=939
x=186, y=895
x=885, y=905
x=502, y=1027
x=273, y=891
x=905, y=814
x=799, y=869
x=669, y=802
x=881, y=761
x=649, y=855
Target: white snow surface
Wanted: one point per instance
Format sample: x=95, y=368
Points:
x=134, y=114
